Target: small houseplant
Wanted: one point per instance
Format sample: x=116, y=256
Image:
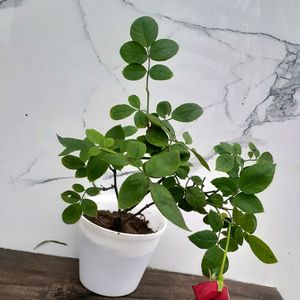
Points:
x=230, y=213
x=117, y=243
x=160, y=159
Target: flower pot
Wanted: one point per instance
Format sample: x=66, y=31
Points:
x=112, y=263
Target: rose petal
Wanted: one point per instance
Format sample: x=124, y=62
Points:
x=209, y=291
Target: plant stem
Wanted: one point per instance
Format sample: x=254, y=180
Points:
x=115, y=183
x=140, y=211
x=147, y=82
x=220, y=276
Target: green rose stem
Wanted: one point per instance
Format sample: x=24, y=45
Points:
x=220, y=276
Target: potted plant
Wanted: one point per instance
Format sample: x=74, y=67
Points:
x=230, y=210
x=118, y=236
x=118, y=233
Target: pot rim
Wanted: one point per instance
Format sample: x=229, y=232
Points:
x=87, y=223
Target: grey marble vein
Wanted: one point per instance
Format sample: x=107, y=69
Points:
x=46, y=180
x=280, y=104
x=93, y=47
x=10, y=3
x=28, y=169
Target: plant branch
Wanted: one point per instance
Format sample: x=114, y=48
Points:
x=115, y=183
x=147, y=82
x=139, y=212
x=220, y=276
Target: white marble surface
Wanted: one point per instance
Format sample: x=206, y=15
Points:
x=60, y=72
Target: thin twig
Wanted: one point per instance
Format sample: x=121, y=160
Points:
x=139, y=212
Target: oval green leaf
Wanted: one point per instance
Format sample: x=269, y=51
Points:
x=226, y=185
x=167, y=205
x=134, y=72
x=133, y=190
x=134, y=101
x=187, y=112
x=163, y=49
x=89, y=208
x=204, y=239
x=157, y=136
x=72, y=213
x=96, y=167
x=248, y=203
x=160, y=72
x=225, y=163
x=140, y=119
x=163, y=108
x=163, y=164
x=121, y=111
x=144, y=30
x=72, y=162
x=70, y=196
x=133, y=52
x=136, y=149
x=260, y=249
x=256, y=178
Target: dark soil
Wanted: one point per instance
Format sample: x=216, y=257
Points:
x=121, y=222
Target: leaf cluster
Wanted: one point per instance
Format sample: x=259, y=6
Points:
x=233, y=203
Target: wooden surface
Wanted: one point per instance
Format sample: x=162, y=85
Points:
x=26, y=275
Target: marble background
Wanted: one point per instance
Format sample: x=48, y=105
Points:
x=60, y=72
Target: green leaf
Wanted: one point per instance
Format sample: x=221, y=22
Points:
x=72, y=213
x=225, y=163
x=96, y=167
x=94, y=136
x=140, y=119
x=224, y=148
x=81, y=172
x=134, y=101
x=212, y=261
x=238, y=236
x=163, y=108
x=72, y=162
x=195, y=197
x=256, y=178
x=154, y=120
x=215, y=221
x=121, y=111
x=70, y=196
x=226, y=185
x=248, y=222
x=254, y=150
x=233, y=245
x=167, y=205
x=156, y=136
x=133, y=190
x=168, y=128
x=78, y=188
x=248, y=203
x=163, y=164
x=108, y=142
x=266, y=157
x=94, y=151
x=187, y=138
x=182, y=172
x=197, y=180
x=136, y=149
x=261, y=250
x=187, y=112
x=71, y=144
x=163, y=49
x=134, y=72
x=115, y=159
x=92, y=191
x=237, y=148
x=133, y=52
x=200, y=159
x=129, y=130
x=144, y=30
x=89, y=208
x=160, y=72
x=116, y=133
x=169, y=182
x=204, y=239
x=216, y=200
x=177, y=192
x=183, y=152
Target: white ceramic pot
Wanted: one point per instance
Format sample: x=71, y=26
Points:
x=112, y=263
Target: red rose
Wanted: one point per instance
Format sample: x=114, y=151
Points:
x=209, y=291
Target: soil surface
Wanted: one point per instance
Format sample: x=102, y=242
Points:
x=121, y=222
